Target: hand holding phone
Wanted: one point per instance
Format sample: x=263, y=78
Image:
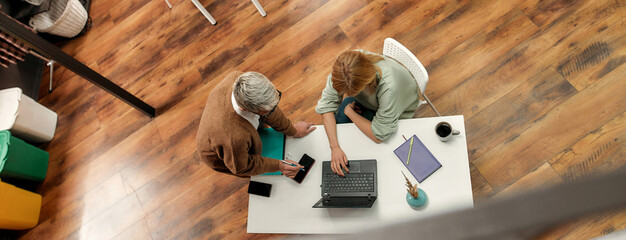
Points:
x=306, y=162
x=289, y=168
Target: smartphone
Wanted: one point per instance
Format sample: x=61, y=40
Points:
x=259, y=188
x=306, y=162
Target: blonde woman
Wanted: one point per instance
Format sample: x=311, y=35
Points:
x=370, y=90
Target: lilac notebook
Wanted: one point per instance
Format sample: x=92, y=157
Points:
x=422, y=163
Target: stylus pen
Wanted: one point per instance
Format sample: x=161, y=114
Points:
x=291, y=164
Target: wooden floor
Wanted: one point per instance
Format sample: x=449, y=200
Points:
x=540, y=83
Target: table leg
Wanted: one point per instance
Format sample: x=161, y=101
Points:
x=259, y=7
x=168, y=4
x=204, y=11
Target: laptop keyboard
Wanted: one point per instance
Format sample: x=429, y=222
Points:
x=353, y=182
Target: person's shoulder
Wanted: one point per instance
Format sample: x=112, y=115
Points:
x=386, y=67
x=228, y=131
x=232, y=76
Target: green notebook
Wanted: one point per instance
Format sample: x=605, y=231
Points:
x=273, y=145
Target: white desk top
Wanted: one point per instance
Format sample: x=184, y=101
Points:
x=289, y=209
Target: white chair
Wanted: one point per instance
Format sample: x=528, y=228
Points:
x=208, y=15
x=400, y=53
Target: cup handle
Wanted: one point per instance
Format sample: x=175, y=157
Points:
x=456, y=132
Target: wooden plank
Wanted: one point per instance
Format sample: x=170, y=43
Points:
x=421, y=16
x=84, y=123
x=516, y=111
x=521, y=63
x=601, y=151
x=157, y=161
x=491, y=41
x=120, y=27
x=73, y=183
x=361, y=24
x=550, y=135
x=89, y=149
x=65, y=82
x=189, y=204
x=237, y=227
x=444, y=36
x=289, y=39
x=543, y=12
x=590, y=60
x=480, y=187
x=138, y=231
x=134, y=59
x=220, y=221
x=112, y=222
x=183, y=69
x=184, y=117
x=588, y=227
x=542, y=177
x=65, y=220
x=314, y=58
x=105, y=17
x=185, y=174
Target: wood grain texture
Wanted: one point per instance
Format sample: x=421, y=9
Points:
x=516, y=111
x=480, y=188
x=532, y=147
x=539, y=82
x=599, y=152
x=492, y=41
x=138, y=231
x=588, y=227
x=542, y=177
x=208, y=225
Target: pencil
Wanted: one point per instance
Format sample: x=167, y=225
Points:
x=410, y=150
x=290, y=164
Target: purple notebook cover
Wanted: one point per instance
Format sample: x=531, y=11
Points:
x=422, y=163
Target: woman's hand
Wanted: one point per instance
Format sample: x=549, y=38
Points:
x=352, y=109
x=338, y=161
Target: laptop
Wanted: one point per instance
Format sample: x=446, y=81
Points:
x=358, y=189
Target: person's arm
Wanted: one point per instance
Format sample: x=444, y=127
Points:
x=338, y=157
x=362, y=123
x=257, y=164
x=288, y=170
x=327, y=106
x=234, y=150
x=280, y=123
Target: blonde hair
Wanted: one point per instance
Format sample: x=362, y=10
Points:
x=354, y=71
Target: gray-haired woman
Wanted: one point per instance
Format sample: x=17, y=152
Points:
x=227, y=136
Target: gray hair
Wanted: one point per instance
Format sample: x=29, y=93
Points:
x=254, y=92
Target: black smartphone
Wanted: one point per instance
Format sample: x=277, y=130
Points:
x=259, y=188
x=306, y=162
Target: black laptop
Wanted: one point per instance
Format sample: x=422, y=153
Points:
x=358, y=189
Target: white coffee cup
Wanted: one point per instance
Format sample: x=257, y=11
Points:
x=444, y=131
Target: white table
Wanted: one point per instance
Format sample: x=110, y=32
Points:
x=289, y=209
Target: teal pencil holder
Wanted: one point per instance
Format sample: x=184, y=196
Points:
x=419, y=202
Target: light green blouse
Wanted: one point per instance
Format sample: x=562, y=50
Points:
x=396, y=97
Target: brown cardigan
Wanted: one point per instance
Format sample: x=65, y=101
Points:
x=228, y=142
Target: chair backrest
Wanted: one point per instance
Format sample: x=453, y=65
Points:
x=400, y=53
